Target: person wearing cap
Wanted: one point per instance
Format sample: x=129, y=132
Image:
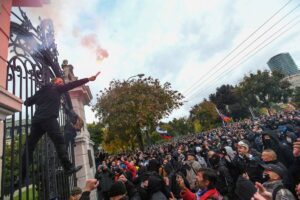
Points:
x=269, y=157
x=273, y=176
x=192, y=166
x=246, y=164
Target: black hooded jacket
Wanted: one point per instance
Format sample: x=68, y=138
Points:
x=284, y=154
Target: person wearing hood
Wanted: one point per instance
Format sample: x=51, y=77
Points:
x=156, y=190
x=284, y=154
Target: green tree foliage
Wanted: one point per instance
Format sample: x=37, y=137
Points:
x=224, y=96
x=206, y=113
x=228, y=102
x=181, y=126
x=264, y=88
x=96, y=132
x=197, y=126
x=128, y=107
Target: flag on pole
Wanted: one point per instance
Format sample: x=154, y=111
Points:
x=163, y=134
x=223, y=117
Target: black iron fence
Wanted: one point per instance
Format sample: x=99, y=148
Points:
x=32, y=63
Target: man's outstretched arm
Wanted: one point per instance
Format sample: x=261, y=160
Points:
x=77, y=83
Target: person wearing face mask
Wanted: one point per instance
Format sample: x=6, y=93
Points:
x=284, y=154
x=273, y=182
x=269, y=157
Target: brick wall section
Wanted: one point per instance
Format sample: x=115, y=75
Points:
x=5, y=8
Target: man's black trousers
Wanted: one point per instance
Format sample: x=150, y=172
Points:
x=38, y=129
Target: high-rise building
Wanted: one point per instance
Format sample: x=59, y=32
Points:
x=283, y=63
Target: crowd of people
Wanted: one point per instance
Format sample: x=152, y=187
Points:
x=255, y=159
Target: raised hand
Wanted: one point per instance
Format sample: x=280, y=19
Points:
x=92, y=78
x=262, y=191
x=91, y=184
x=123, y=178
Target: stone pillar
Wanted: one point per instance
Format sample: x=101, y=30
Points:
x=5, y=8
x=8, y=102
x=84, y=152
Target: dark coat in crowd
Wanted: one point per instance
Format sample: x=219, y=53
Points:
x=284, y=154
x=249, y=165
x=156, y=188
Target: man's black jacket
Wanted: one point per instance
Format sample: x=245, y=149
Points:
x=47, y=99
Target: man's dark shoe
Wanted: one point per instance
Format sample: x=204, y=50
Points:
x=73, y=170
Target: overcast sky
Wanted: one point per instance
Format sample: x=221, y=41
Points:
x=179, y=41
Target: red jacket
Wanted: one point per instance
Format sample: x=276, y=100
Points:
x=131, y=168
x=188, y=195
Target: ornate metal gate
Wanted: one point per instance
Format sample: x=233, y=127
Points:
x=32, y=63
